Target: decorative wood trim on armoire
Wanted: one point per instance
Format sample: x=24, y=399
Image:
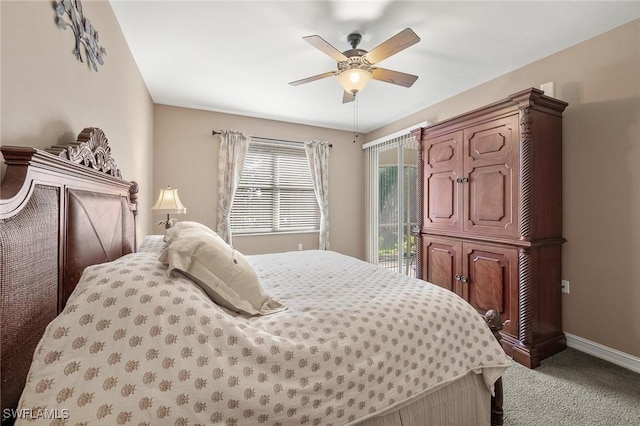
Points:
x=490, y=197
x=416, y=134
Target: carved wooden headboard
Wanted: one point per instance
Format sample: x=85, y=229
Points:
x=61, y=210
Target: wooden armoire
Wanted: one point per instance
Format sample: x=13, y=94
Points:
x=491, y=220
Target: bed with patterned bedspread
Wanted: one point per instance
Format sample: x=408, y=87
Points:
x=138, y=345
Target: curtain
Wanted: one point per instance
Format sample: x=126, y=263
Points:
x=318, y=156
x=233, y=151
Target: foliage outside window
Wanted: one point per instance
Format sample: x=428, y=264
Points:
x=276, y=192
x=388, y=211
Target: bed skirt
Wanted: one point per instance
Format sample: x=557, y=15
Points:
x=464, y=402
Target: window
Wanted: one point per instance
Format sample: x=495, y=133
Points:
x=275, y=193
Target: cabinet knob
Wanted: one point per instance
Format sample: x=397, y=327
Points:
x=464, y=180
x=463, y=278
x=458, y=277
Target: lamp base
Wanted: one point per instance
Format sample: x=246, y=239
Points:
x=167, y=223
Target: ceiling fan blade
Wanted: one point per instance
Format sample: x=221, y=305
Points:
x=314, y=78
x=393, y=77
x=321, y=44
x=395, y=44
x=348, y=97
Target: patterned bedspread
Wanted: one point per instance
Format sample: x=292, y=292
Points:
x=136, y=346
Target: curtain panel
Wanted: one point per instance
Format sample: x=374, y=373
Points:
x=233, y=151
x=318, y=156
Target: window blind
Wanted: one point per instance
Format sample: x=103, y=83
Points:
x=391, y=200
x=275, y=193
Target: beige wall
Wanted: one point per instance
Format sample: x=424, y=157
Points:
x=600, y=79
x=48, y=96
x=186, y=157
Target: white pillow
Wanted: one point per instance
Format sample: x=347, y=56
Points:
x=180, y=226
x=220, y=270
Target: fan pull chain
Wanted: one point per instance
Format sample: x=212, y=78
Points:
x=355, y=118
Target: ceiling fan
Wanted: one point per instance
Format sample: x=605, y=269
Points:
x=356, y=67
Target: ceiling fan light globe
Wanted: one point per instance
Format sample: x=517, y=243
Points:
x=354, y=80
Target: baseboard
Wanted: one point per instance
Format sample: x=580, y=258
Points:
x=603, y=352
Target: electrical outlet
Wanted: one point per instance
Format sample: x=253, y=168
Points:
x=565, y=286
x=300, y=246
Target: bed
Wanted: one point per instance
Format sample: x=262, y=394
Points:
x=97, y=332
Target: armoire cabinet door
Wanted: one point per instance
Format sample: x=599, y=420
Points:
x=442, y=262
x=491, y=159
x=491, y=274
x=485, y=275
x=442, y=156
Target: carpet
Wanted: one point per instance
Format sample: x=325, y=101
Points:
x=571, y=388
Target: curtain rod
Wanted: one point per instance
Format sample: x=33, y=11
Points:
x=270, y=139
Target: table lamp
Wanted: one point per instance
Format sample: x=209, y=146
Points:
x=168, y=203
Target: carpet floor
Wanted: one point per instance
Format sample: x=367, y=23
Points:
x=572, y=388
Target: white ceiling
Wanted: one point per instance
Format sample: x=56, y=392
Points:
x=239, y=56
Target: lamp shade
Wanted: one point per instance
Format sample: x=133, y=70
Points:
x=353, y=80
x=168, y=202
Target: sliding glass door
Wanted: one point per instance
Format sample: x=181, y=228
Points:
x=392, y=207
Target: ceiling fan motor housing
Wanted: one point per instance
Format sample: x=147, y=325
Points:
x=354, y=52
x=355, y=55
